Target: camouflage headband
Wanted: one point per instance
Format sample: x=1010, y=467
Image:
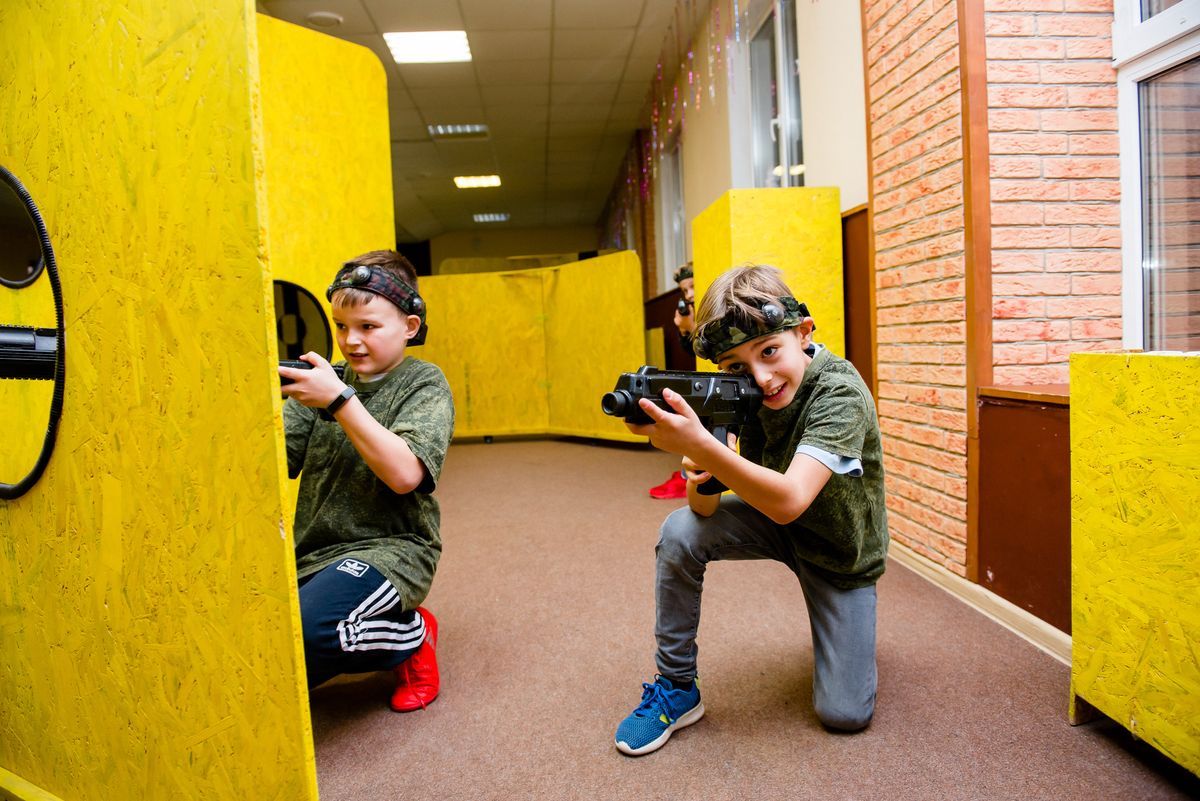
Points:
x=683, y=273
x=732, y=330
x=382, y=282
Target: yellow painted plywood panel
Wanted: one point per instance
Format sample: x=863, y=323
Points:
x=487, y=333
x=594, y=332
x=149, y=635
x=797, y=230
x=1135, y=560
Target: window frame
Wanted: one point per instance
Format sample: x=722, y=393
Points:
x=1142, y=50
x=785, y=41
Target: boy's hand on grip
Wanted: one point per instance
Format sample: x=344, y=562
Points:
x=315, y=388
x=679, y=432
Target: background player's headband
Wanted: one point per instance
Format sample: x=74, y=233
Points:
x=733, y=329
x=383, y=283
x=683, y=273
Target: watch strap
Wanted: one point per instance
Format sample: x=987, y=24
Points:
x=338, y=402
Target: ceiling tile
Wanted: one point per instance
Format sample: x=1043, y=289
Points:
x=648, y=43
x=437, y=75
x=632, y=91
x=573, y=128
x=610, y=43
x=625, y=113
x=475, y=158
x=642, y=71
x=446, y=96
x=509, y=45
x=527, y=71
x=414, y=15
x=507, y=116
x=590, y=14
x=578, y=113
x=516, y=128
x=586, y=70
x=514, y=95
x=354, y=19
x=602, y=93
x=408, y=124
x=501, y=15
x=573, y=144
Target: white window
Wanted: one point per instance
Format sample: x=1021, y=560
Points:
x=778, y=152
x=1156, y=49
x=673, y=234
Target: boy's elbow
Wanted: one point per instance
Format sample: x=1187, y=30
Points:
x=404, y=482
x=787, y=513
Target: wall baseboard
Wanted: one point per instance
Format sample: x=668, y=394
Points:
x=1032, y=629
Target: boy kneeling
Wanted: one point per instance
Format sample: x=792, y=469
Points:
x=369, y=451
x=809, y=493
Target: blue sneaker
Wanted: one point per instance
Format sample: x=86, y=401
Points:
x=663, y=710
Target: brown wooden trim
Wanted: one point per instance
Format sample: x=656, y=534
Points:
x=866, y=73
x=1051, y=394
x=977, y=242
x=856, y=209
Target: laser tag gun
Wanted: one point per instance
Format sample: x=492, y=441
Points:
x=685, y=308
x=723, y=402
x=28, y=352
x=297, y=364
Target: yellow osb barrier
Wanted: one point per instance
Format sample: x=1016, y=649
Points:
x=1135, y=545
x=532, y=352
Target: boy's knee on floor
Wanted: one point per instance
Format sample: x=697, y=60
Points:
x=677, y=536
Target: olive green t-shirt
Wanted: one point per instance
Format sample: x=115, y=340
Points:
x=344, y=509
x=843, y=534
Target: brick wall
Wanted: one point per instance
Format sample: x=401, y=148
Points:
x=914, y=105
x=1056, y=261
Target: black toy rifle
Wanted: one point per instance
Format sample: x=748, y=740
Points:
x=297, y=364
x=723, y=402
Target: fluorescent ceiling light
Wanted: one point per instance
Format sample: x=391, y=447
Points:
x=458, y=131
x=500, y=217
x=428, y=47
x=476, y=181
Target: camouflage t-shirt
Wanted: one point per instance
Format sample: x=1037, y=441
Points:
x=344, y=509
x=843, y=534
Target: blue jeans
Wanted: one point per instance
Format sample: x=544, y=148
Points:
x=842, y=621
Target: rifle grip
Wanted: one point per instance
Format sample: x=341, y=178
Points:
x=713, y=486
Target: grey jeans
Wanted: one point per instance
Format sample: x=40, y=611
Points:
x=842, y=621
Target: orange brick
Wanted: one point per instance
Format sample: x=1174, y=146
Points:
x=1017, y=261
x=1106, y=284
x=1016, y=375
x=1024, y=49
x=1083, y=214
x=1096, y=329
x=1016, y=308
x=937, y=375
x=1031, y=237
x=924, y=333
x=1095, y=190
x=1029, y=190
x=940, y=311
x=1061, y=351
x=1075, y=307
x=1046, y=284
x=1079, y=120
x=1094, y=144
x=1082, y=167
x=1074, y=25
x=953, y=463
x=939, y=501
x=1024, y=5
x=921, y=435
x=1088, y=5
x=1089, y=48
x=1087, y=261
x=1078, y=72
x=1029, y=330
x=1015, y=167
x=1099, y=96
x=1031, y=353
x=1096, y=237
x=1027, y=96
x=1039, y=143
x=1009, y=25
x=1012, y=72
x=1018, y=214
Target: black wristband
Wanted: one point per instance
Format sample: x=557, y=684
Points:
x=338, y=402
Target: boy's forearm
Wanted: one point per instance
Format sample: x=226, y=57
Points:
x=703, y=505
x=386, y=453
x=769, y=492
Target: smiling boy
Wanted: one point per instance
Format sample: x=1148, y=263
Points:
x=369, y=451
x=808, y=492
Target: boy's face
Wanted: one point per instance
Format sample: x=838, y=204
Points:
x=688, y=287
x=776, y=362
x=373, y=336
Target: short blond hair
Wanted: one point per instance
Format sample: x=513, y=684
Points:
x=739, y=294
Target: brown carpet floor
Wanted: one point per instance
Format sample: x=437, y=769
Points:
x=546, y=608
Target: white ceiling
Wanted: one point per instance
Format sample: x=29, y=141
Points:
x=561, y=85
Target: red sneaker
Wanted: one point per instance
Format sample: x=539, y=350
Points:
x=673, y=487
x=417, y=679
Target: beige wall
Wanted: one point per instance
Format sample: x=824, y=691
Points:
x=832, y=98
x=512, y=242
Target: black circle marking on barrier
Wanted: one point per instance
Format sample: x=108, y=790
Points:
x=30, y=353
x=300, y=322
